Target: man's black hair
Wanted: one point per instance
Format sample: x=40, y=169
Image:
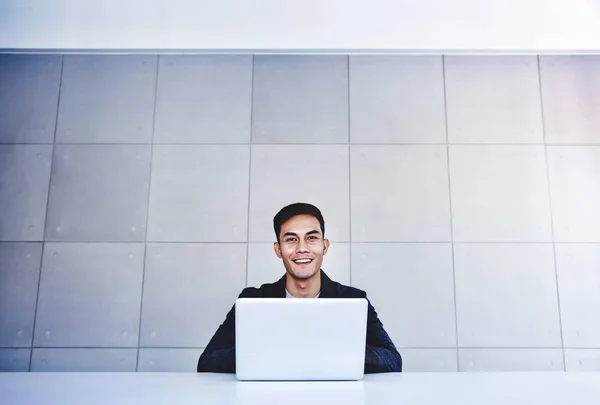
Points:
x=292, y=210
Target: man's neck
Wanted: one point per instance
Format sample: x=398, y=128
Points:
x=304, y=288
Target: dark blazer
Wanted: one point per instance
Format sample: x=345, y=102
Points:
x=381, y=355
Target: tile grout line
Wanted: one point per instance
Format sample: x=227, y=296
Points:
x=398, y=242
x=398, y=347
x=137, y=358
x=284, y=144
x=299, y=52
x=37, y=298
x=349, y=184
x=249, y=174
x=562, y=341
x=451, y=219
x=224, y=242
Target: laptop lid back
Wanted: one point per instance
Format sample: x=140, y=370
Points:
x=300, y=339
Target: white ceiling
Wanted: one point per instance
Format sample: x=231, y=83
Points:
x=412, y=26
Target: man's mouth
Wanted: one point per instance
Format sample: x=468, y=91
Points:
x=303, y=261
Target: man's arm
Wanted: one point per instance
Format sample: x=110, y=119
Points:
x=219, y=354
x=381, y=355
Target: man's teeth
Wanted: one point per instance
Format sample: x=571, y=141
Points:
x=303, y=261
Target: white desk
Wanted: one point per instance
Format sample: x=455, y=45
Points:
x=216, y=389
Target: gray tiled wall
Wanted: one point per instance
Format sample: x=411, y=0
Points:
x=137, y=194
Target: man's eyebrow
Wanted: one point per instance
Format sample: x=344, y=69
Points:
x=294, y=234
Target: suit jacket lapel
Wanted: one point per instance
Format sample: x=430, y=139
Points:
x=278, y=288
x=327, y=287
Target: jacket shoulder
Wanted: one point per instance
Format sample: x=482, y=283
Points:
x=268, y=290
x=249, y=292
x=345, y=291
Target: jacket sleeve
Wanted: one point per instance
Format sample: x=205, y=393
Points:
x=219, y=354
x=381, y=355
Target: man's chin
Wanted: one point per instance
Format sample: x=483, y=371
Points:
x=302, y=276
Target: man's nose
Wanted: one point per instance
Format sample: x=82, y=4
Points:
x=302, y=246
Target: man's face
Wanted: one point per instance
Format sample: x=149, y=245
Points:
x=301, y=246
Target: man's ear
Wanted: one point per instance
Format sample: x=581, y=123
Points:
x=277, y=249
x=326, y=243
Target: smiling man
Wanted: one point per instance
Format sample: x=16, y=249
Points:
x=301, y=244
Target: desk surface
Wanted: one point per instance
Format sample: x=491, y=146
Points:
x=216, y=389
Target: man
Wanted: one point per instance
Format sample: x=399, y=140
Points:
x=301, y=245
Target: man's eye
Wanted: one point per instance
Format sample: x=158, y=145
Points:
x=290, y=239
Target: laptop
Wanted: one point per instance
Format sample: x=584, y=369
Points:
x=300, y=339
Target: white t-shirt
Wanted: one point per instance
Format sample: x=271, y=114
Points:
x=288, y=295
